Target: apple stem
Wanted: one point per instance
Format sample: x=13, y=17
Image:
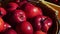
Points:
x=43, y=20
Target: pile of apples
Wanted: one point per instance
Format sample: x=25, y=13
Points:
x=22, y=17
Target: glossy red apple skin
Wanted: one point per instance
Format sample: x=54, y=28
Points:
x=42, y=23
x=48, y=21
x=31, y=10
x=19, y=16
x=2, y=12
x=39, y=32
x=1, y=24
x=12, y=6
x=38, y=22
x=25, y=28
x=10, y=31
x=6, y=26
x=47, y=24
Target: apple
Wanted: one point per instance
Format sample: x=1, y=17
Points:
x=2, y=12
x=10, y=31
x=47, y=24
x=38, y=22
x=25, y=28
x=1, y=24
x=12, y=6
x=31, y=10
x=19, y=16
x=39, y=32
x=42, y=23
x=6, y=26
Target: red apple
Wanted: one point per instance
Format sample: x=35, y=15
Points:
x=1, y=24
x=19, y=16
x=2, y=12
x=25, y=28
x=31, y=10
x=42, y=23
x=10, y=31
x=12, y=6
x=47, y=24
x=48, y=21
x=6, y=26
x=38, y=21
x=39, y=32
